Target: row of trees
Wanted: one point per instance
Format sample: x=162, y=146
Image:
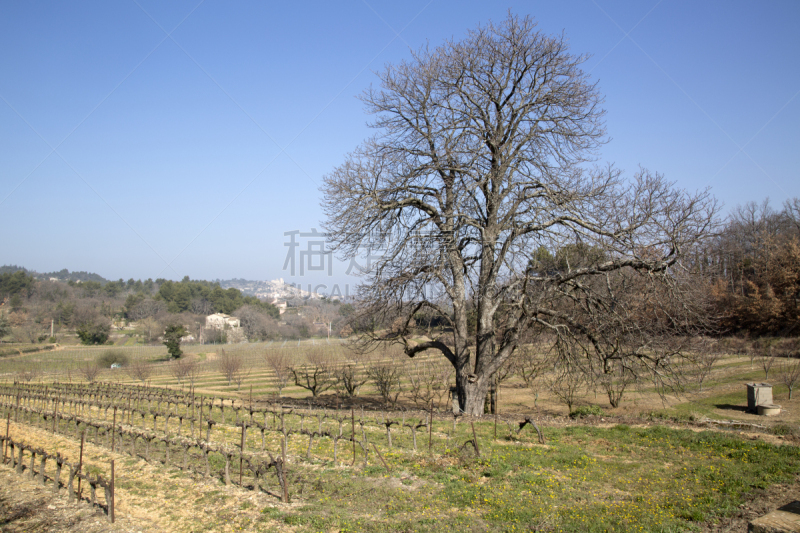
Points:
x=754, y=268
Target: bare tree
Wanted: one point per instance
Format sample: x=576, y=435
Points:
x=568, y=383
x=385, y=375
x=181, y=369
x=150, y=329
x=616, y=382
x=767, y=359
x=531, y=367
x=229, y=365
x=423, y=383
x=478, y=163
x=193, y=372
x=705, y=358
x=90, y=371
x=254, y=322
x=139, y=370
x=316, y=374
x=242, y=374
x=147, y=309
x=349, y=374
x=278, y=362
x=27, y=375
x=790, y=373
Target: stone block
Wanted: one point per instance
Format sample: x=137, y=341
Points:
x=783, y=520
x=758, y=394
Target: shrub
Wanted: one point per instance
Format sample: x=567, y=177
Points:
x=783, y=429
x=109, y=357
x=587, y=410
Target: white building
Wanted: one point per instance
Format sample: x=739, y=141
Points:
x=281, y=305
x=221, y=320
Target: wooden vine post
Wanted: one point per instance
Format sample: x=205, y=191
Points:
x=241, y=454
x=80, y=464
x=475, y=439
x=111, y=504
x=283, y=466
x=496, y=406
x=381, y=458
x=5, y=442
x=353, y=420
x=55, y=414
x=114, y=430
x=430, y=428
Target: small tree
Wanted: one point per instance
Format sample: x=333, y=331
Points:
x=90, y=371
x=568, y=381
x=181, y=369
x=766, y=360
x=240, y=375
x=314, y=376
x=705, y=361
x=277, y=361
x=531, y=368
x=193, y=371
x=230, y=365
x=172, y=339
x=790, y=373
x=386, y=377
x=348, y=374
x=140, y=370
x=615, y=382
x=423, y=382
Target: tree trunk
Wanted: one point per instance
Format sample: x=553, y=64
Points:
x=471, y=393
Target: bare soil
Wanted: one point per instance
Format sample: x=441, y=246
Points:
x=26, y=506
x=760, y=502
x=149, y=498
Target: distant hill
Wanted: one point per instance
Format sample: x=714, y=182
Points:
x=62, y=275
x=10, y=269
x=66, y=275
x=265, y=290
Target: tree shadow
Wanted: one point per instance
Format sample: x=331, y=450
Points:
x=731, y=407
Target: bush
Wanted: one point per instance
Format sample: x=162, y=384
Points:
x=783, y=429
x=587, y=410
x=109, y=357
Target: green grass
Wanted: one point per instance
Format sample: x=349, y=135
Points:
x=586, y=479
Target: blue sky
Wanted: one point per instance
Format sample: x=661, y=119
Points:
x=150, y=139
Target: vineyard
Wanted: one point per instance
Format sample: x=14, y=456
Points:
x=310, y=436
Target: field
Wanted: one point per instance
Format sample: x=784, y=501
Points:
x=694, y=462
